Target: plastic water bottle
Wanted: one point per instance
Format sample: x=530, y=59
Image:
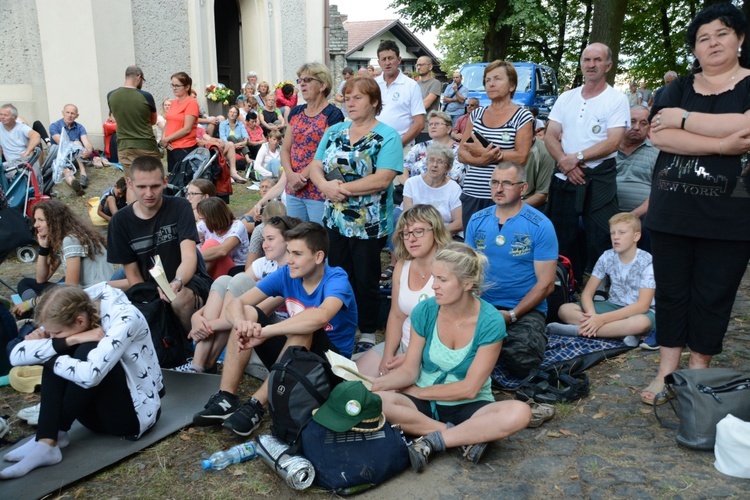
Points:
x=234, y=455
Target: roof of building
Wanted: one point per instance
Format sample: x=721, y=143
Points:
x=363, y=32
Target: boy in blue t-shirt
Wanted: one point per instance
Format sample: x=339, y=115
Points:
x=322, y=316
x=630, y=309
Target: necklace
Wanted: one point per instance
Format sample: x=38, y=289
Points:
x=703, y=75
x=423, y=275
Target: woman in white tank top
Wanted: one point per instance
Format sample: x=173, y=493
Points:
x=420, y=233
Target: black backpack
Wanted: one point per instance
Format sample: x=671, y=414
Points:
x=170, y=342
x=297, y=384
x=565, y=284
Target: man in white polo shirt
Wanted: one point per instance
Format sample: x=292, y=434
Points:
x=584, y=131
x=403, y=108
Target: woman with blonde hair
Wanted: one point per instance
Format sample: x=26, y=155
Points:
x=420, y=233
x=442, y=389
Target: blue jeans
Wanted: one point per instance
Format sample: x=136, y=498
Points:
x=305, y=209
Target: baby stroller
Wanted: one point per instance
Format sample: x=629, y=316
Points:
x=199, y=164
x=46, y=181
x=16, y=235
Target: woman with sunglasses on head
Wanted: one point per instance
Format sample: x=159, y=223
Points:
x=420, y=233
x=307, y=124
x=100, y=368
x=182, y=119
x=210, y=330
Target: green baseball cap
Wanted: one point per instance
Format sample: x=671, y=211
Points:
x=349, y=404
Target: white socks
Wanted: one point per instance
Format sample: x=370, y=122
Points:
x=19, y=453
x=562, y=329
x=39, y=454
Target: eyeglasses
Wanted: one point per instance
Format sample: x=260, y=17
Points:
x=176, y=85
x=436, y=124
x=505, y=184
x=418, y=232
x=190, y=195
x=308, y=79
x=436, y=161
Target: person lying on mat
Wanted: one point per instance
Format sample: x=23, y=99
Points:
x=100, y=368
x=629, y=312
x=322, y=316
x=442, y=390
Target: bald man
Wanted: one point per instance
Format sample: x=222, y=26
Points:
x=585, y=128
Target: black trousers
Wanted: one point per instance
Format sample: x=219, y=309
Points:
x=696, y=284
x=361, y=261
x=106, y=408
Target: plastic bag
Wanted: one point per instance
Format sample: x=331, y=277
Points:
x=732, y=447
x=66, y=154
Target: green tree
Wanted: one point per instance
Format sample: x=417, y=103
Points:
x=607, y=28
x=650, y=52
x=460, y=47
x=458, y=15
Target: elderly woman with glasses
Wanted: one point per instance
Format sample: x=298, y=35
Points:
x=180, y=136
x=434, y=187
x=439, y=126
x=307, y=124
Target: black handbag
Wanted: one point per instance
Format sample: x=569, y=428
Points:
x=703, y=398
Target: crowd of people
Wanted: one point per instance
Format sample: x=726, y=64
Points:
x=642, y=195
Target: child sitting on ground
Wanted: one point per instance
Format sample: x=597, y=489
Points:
x=113, y=199
x=629, y=312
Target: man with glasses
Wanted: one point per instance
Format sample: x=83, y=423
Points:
x=460, y=125
x=454, y=97
x=521, y=246
x=134, y=111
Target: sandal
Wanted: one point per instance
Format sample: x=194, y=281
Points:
x=650, y=395
x=473, y=452
x=387, y=275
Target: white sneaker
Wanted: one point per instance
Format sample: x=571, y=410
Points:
x=30, y=414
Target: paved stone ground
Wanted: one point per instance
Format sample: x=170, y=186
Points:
x=608, y=445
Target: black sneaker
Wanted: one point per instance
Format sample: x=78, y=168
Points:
x=246, y=419
x=220, y=406
x=419, y=453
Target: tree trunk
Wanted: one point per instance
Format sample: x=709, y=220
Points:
x=607, y=28
x=497, y=38
x=666, y=36
x=578, y=80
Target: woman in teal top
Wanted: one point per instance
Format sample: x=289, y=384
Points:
x=444, y=383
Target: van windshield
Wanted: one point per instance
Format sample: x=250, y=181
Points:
x=474, y=78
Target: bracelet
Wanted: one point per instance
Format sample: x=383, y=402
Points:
x=44, y=251
x=181, y=283
x=684, y=118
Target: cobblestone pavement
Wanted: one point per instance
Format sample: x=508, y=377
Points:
x=608, y=445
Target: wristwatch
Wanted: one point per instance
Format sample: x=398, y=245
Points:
x=580, y=156
x=512, y=314
x=181, y=283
